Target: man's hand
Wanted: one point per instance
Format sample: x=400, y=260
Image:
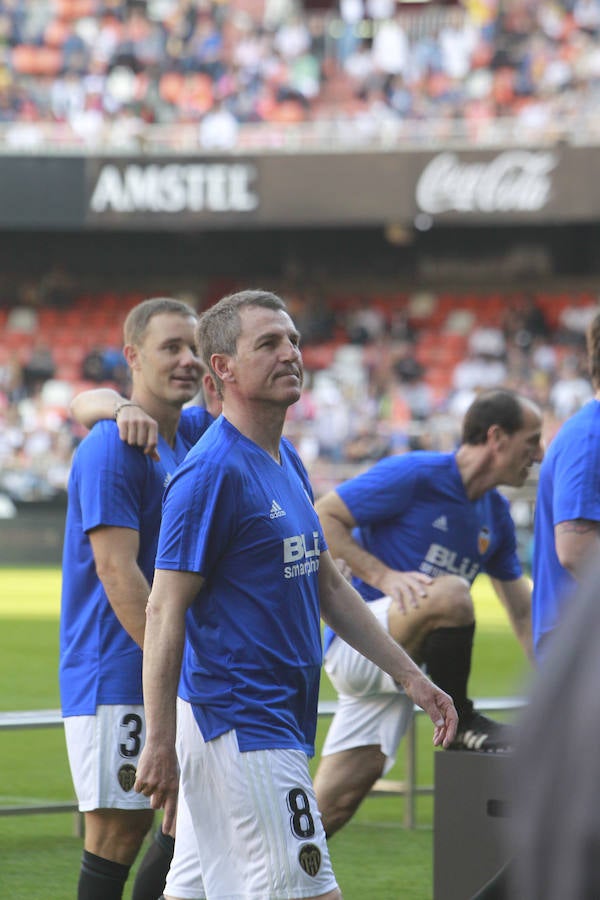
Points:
x=158, y=777
x=437, y=704
x=405, y=588
x=139, y=429
x=344, y=569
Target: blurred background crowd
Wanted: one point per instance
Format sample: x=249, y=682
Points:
x=389, y=367
x=385, y=372
x=102, y=72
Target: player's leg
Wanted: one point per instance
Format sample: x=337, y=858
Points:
x=184, y=881
x=152, y=871
x=343, y=780
x=264, y=837
x=439, y=634
x=103, y=753
x=363, y=738
x=113, y=838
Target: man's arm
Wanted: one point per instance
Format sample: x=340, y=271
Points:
x=344, y=610
x=157, y=772
x=338, y=522
x=135, y=426
x=115, y=554
x=575, y=541
x=516, y=599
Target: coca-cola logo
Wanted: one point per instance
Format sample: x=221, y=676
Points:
x=514, y=181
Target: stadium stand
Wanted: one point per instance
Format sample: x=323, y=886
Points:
x=90, y=73
x=386, y=372
x=388, y=369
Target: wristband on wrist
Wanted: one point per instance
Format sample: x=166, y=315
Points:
x=121, y=404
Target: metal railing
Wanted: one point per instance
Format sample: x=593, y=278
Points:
x=340, y=133
x=407, y=788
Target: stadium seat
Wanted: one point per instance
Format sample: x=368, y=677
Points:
x=28, y=59
x=56, y=33
x=74, y=9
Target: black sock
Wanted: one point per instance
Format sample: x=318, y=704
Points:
x=101, y=879
x=447, y=654
x=152, y=874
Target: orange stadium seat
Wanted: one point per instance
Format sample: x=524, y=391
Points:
x=74, y=9
x=319, y=356
x=30, y=60
x=170, y=87
x=197, y=93
x=56, y=33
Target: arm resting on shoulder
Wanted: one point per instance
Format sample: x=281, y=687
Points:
x=88, y=407
x=136, y=427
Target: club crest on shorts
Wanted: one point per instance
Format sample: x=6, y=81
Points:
x=126, y=776
x=483, y=539
x=310, y=858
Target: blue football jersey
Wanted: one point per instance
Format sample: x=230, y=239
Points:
x=568, y=489
x=253, y=653
x=413, y=514
x=110, y=484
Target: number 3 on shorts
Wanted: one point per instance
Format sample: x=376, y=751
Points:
x=130, y=742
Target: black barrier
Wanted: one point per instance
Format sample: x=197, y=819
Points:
x=34, y=536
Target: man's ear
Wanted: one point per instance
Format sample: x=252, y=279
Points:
x=212, y=400
x=495, y=435
x=130, y=352
x=220, y=363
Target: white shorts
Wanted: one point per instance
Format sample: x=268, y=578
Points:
x=104, y=751
x=258, y=829
x=371, y=708
x=184, y=880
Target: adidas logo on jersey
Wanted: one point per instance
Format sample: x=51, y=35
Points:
x=441, y=523
x=276, y=511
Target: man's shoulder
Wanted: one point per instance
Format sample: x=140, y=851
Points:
x=582, y=429
x=103, y=444
x=426, y=462
x=104, y=433
x=196, y=417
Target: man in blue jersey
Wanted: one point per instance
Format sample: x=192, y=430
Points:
x=113, y=517
x=242, y=577
x=416, y=529
x=567, y=515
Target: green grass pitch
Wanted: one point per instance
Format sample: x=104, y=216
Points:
x=374, y=856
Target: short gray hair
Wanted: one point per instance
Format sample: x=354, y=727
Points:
x=220, y=326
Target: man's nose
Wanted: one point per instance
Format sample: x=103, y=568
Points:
x=189, y=358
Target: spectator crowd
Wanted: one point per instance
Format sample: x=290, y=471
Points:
x=94, y=72
x=385, y=372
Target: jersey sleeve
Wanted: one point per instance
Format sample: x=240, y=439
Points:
x=198, y=518
x=383, y=491
x=111, y=479
x=576, y=491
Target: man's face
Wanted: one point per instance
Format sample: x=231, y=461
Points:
x=517, y=452
x=165, y=363
x=267, y=365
